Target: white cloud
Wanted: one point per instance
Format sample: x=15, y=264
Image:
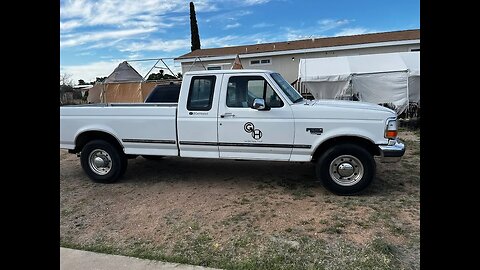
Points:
x=85, y=53
x=180, y=20
x=328, y=24
x=105, y=20
x=76, y=8
x=90, y=71
x=69, y=25
x=230, y=26
x=230, y=15
x=155, y=45
x=314, y=31
x=103, y=44
x=118, y=13
x=296, y=34
x=134, y=55
x=262, y=25
x=354, y=31
x=224, y=41
x=184, y=44
x=323, y=26
x=255, y=2
x=83, y=38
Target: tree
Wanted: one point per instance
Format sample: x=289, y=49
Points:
x=179, y=75
x=194, y=28
x=100, y=79
x=81, y=82
x=169, y=77
x=161, y=76
x=65, y=79
x=156, y=76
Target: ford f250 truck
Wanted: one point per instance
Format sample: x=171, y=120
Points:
x=236, y=114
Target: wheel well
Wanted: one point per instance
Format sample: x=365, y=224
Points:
x=368, y=145
x=87, y=136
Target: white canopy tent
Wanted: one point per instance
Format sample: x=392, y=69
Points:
x=377, y=78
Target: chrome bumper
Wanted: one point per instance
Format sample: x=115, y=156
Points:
x=393, y=152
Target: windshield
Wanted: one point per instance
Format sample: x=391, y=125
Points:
x=289, y=91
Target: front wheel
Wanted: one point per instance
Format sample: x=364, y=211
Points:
x=346, y=169
x=103, y=162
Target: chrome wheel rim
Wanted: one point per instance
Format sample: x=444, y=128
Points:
x=100, y=162
x=346, y=170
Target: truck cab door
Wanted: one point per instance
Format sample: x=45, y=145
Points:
x=197, y=116
x=247, y=133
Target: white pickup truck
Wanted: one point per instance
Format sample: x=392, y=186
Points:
x=236, y=114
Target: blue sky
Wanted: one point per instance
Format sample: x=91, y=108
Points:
x=96, y=35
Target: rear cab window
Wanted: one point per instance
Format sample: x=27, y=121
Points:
x=200, y=94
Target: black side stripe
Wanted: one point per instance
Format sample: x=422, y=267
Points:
x=198, y=143
x=248, y=144
x=148, y=141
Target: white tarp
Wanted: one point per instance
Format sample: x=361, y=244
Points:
x=377, y=78
x=414, y=89
x=412, y=61
x=327, y=89
x=383, y=88
x=328, y=69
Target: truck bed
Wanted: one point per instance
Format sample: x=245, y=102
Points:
x=144, y=129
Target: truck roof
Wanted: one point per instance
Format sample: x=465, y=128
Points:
x=222, y=71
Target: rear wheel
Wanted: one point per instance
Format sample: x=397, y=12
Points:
x=103, y=162
x=346, y=169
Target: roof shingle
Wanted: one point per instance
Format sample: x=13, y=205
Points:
x=306, y=44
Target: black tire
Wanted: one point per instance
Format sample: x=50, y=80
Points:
x=359, y=169
x=116, y=157
x=149, y=157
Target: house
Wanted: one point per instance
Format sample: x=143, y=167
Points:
x=124, y=84
x=83, y=89
x=284, y=57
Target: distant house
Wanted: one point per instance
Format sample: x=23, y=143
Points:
x=83, y=89
x=284, y=57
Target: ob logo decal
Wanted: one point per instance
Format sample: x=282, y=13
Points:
x=250, y=128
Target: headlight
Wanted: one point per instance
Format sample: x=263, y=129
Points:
x=391, y=129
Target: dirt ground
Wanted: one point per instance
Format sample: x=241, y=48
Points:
x=245, y=214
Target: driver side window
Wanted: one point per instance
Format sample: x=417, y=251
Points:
x=242, y=90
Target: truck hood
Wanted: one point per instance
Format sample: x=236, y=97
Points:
x=343, y=109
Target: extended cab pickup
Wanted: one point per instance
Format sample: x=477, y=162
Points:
x=236, y=114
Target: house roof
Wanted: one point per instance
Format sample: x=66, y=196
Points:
x=124, y=73
x=306, y=44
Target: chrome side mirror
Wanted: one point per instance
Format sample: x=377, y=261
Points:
x=259, y=104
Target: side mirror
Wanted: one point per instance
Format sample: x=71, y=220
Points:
x=259, y=104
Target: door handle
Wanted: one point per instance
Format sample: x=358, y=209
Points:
x=227, y=115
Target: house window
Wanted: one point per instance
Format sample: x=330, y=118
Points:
x=214, y=68
x=259, y=62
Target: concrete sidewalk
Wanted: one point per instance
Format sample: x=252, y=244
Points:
x=72, y=259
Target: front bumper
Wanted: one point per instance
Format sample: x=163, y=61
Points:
x=393, y=152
